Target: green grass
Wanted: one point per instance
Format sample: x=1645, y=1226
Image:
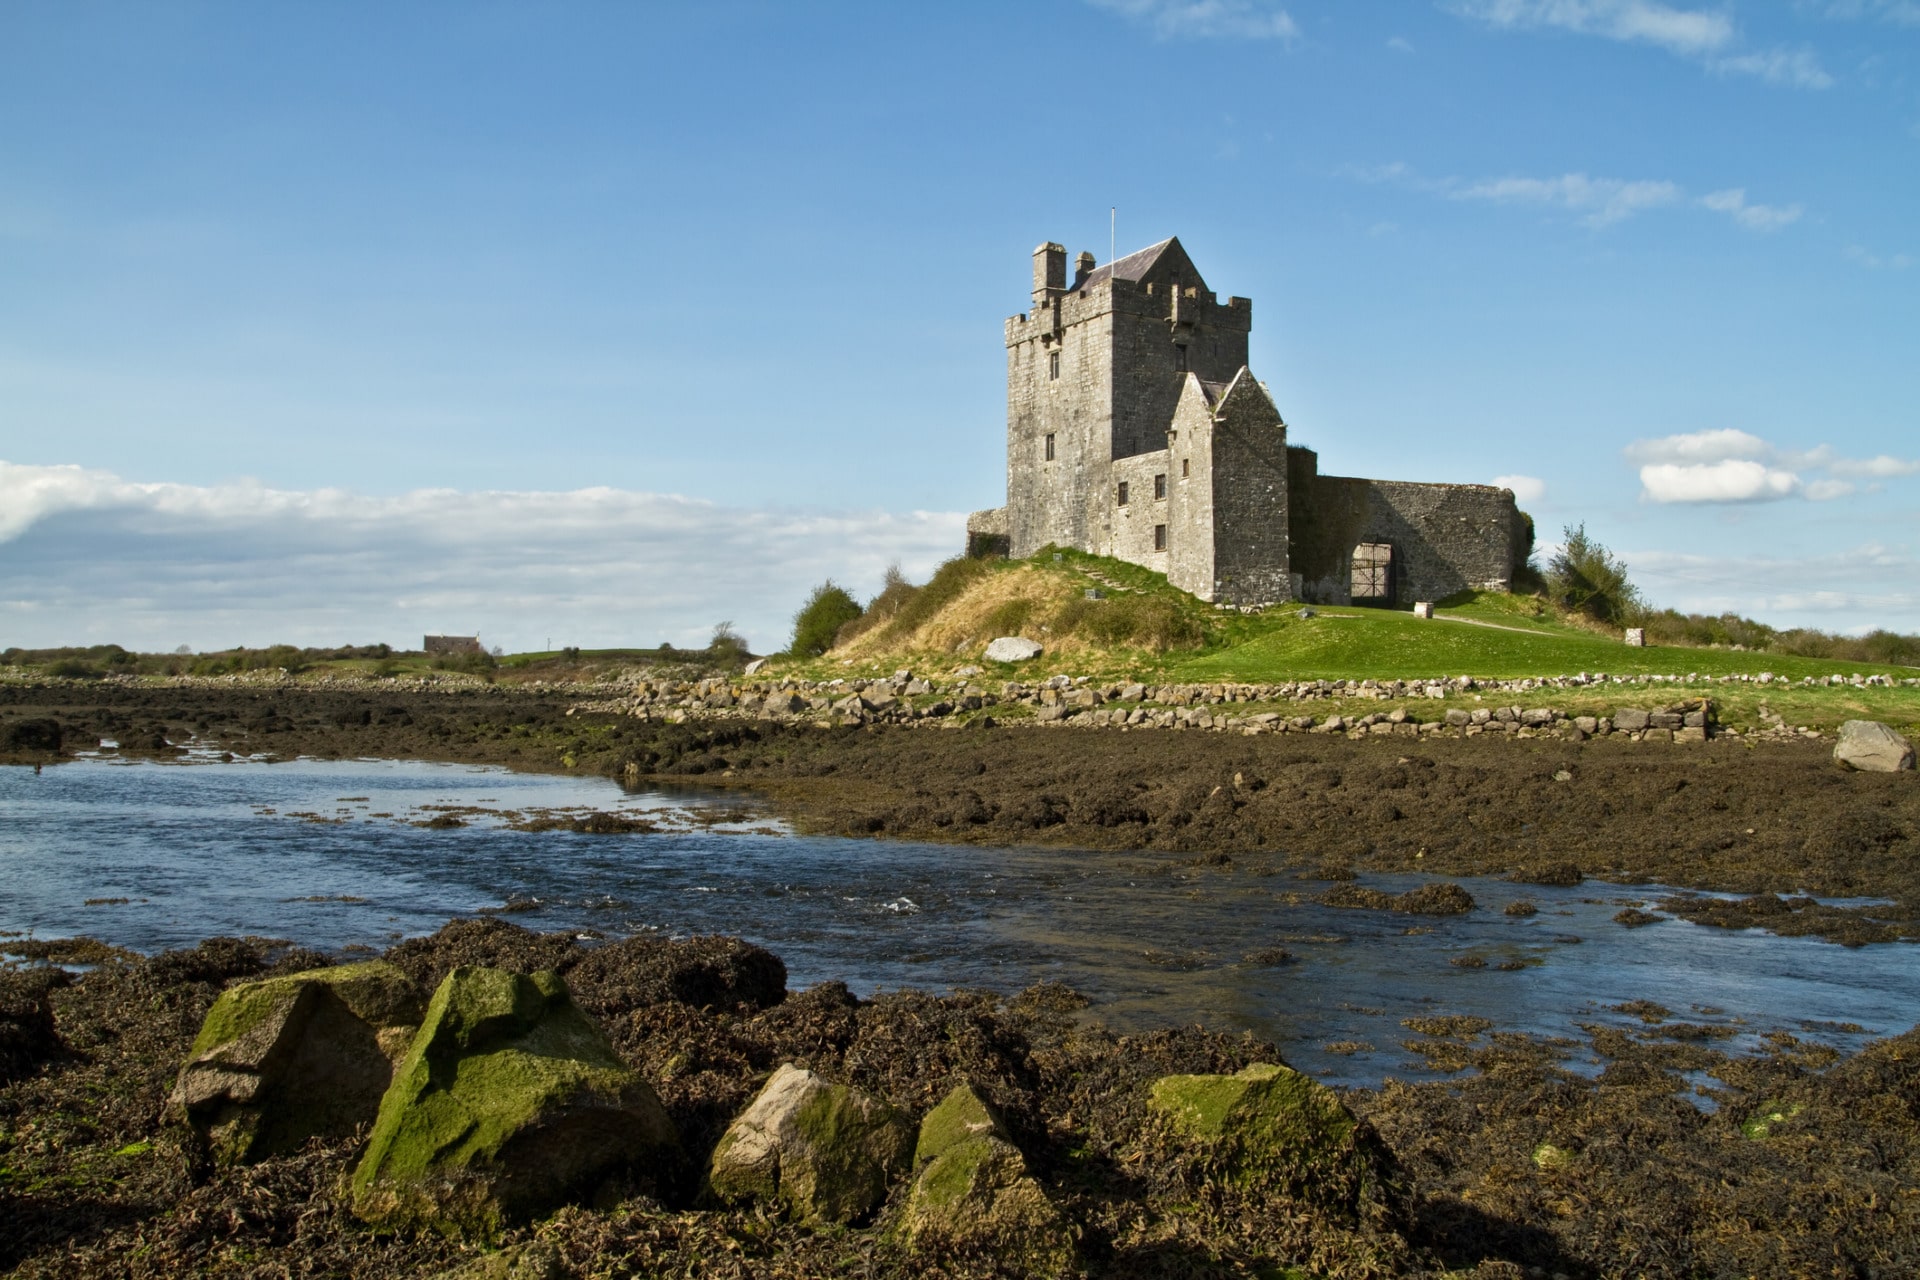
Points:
x=1339, y=643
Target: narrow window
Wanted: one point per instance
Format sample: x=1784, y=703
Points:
x=1180, y=359
x=1160, y=486
x=1159, y=537
x=1053, y=366
x=1186, y=467
x=1122, y=499
x=1049, y=446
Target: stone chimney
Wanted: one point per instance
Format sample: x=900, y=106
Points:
x=1049, y=270
x=1082, y=268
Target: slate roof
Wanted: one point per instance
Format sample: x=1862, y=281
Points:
x=1131, y=267
x=1213, y=391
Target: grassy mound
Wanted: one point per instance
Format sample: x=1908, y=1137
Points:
x=1113, y=618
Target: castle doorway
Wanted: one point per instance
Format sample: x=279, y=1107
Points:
x=1372, y=579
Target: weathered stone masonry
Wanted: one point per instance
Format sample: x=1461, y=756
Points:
x=1136, y=430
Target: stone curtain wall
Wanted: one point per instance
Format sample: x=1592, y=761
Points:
x=1446, y=538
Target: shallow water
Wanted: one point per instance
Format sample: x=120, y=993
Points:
x=329, y=855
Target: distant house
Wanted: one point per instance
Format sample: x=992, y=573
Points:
x=453, y=644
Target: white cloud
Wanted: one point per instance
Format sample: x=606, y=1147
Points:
x=92, y=557
x=1699, y=447
x=1688, y=32
x=1754, y=217
x=1525, y=488
x=1208, y=19
x=1707, y=36
x=1729, y=465
x=1603, y=201
x=1735, y=480
x=1400, y=44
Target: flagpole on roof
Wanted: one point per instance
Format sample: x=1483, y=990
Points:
x=1113, y=227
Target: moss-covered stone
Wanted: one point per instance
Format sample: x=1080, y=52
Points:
x=509, y=1101
x=303, y=1055
x=1270, y=1125
x=826, y=1151
x=973, y=1193
x=961, y=1115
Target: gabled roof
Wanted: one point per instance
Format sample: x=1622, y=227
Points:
x=1131, y=267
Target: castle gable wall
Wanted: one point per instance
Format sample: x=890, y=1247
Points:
x=1248, y=477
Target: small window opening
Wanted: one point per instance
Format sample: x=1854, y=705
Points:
x=1049, y=446
x=1053, y=366
x=1160, y=486
x=1121, y=499
x=1179, y=359
x=1159, y=537
x=1186, y=467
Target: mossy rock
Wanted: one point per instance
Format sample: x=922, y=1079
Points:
x=974, y=1195
x=303, y=1055
x=1268, y=1125
x=826, y=1151
x=509, y=1101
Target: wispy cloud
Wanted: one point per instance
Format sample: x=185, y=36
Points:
x=1207, y=19
x=1705, y=35
x=1902, y=13
x=89, y=556
x=1689, y=32
x=1793, y=68
x=1754, y=217
x=1879, y=262
x=1400, y=44
x=1598, y=201
x=1729, y=465
x=1850, y=590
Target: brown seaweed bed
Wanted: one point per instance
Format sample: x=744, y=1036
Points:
x=1675, y=1159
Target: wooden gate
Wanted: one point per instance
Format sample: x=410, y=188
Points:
x=1372, y=581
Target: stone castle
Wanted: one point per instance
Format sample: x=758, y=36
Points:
x=1136, y=430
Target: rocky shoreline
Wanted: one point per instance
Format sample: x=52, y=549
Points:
x=1516, y=1160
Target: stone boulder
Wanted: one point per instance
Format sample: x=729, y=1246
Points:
x=972, y=1192
x=1271, y=1126
x=304, y=1055
x=1013, y=649
x=826, y=1151
x=1630, y=719
x=1872, y=746
x=509, y=1101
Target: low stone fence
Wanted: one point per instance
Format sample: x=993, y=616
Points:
x=1064, y=701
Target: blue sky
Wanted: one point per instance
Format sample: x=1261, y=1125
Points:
x=603, y=322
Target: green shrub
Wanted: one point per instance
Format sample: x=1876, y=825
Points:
x=477, y=662
x=827, y=610
x=1587, y=578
